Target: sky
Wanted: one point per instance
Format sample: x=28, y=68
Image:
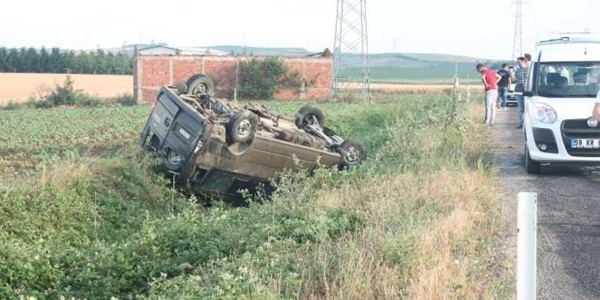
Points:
x=476, y=28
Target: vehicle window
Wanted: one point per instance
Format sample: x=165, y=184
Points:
x=568, y=79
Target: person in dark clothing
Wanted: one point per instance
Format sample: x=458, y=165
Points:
x=503, y=85
x=521, y=79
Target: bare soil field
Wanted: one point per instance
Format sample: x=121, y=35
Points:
x=414, y=88
x=20, y=86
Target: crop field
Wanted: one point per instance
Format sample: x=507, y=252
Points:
x=83, y=214
x=417, y=75
x=21, y=86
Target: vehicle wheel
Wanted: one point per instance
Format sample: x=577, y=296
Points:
x=307, y=116
x=352, y=152
x=531, y=166
x=241, y=127
x=200, y=84
x=173, y=161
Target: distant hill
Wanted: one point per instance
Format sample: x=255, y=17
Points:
x=260, y=51
x=403, y=67
x=384, y=67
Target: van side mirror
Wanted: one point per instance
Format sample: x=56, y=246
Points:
x=528, y=94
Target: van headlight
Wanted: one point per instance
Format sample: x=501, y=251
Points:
x=544, y=113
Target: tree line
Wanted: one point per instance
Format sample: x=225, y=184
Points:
x=55, y=60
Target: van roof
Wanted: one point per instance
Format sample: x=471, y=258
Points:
x=569, y=49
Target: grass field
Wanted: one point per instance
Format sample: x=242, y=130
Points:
x=20, y=86
x=82, y=214
x=418, y=75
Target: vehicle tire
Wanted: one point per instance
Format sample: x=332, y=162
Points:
x=200, y=84
x=173, y=161
x=352, y=152
x=305, y=115
x=241, y=127
x=531, y=166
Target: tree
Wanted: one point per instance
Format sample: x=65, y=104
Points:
x=259, y=78
x=14, y=60
x=4, y=59
x=44, y=61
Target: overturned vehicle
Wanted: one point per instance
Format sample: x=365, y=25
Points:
x=216, y=149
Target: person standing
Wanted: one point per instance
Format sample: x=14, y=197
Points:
x=521, y=79
x=596, y=109
x=490, y=83
x=527, y=57
x=503, y=85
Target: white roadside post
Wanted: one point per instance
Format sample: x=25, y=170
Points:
x=526, y=245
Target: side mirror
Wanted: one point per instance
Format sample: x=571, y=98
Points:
x=528, y=94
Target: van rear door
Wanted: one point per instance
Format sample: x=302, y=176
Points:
x=173, y=126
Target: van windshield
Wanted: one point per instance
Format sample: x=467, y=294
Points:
x=568, y=79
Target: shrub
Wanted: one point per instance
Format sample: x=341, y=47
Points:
x=259, y=78
x=125, y=99
x=64, y=94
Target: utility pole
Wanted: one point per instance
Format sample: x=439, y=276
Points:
x=518, y=36
x=351, y=47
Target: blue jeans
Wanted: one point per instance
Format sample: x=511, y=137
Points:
x=521, y=105
x=502, y=91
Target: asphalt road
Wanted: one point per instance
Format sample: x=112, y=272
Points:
x=568, y=237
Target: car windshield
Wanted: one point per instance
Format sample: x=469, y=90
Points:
x=568, y=79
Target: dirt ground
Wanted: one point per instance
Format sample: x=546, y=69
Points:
x=414, y=88
x=568, y=232
x=20, y=86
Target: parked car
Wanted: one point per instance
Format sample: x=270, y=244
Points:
x=215, y=148
x=511, y=95
x=559, y=97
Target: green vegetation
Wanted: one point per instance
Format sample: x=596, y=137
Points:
x=91, y=220
x=259, y=78
x=32, y=60
x=433, y=75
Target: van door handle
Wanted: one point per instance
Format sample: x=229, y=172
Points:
x=167, y=122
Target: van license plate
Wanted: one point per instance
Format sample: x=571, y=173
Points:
x=184, y=133
x=585, y=143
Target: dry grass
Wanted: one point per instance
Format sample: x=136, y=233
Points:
x=20, y=86
x=428, y=236
x=438, y=259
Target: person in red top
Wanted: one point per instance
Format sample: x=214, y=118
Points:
x=490, y=82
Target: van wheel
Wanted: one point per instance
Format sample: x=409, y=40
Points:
x=200, y=84
x=352, y=152
x=309, y=115
x=173, y=161
x=531, y=166
x=241, y=127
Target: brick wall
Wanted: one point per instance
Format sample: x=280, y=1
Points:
x=153, y=71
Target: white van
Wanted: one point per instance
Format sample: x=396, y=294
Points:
x=559, y=96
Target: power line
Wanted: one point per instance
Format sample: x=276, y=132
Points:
x=518, y=35
x=351, y=47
